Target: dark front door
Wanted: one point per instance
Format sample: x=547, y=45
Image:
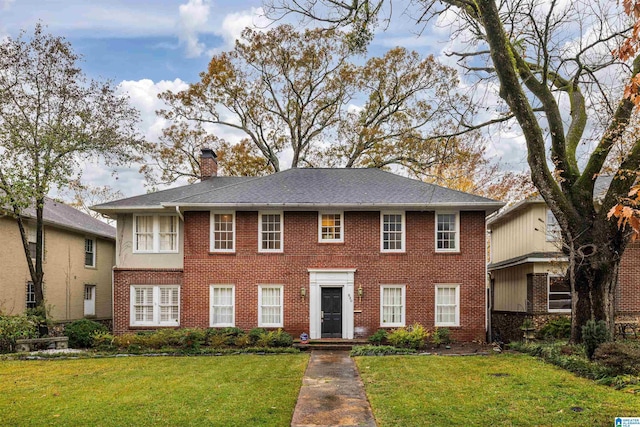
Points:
x=331, y=312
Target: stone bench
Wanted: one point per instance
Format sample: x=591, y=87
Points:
x=57, y=342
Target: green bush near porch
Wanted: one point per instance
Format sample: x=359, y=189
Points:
x=144, y=391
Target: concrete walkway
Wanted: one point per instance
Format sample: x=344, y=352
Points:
x=332, y=393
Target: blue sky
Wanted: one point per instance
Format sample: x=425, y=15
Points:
x=149, y=46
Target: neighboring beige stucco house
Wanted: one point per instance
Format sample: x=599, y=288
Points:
x=79, y=254
x=526, y=268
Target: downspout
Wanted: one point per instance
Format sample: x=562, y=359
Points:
x=179, y=213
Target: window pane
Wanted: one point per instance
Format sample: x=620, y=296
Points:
x=144, y=233
x=392, y=232
x=446, y=231
x=271, y=305
x=331, y=227
x=168, y=233
x=271, y=232
x=222, y=305
x=392, y=305
x=553, y=228
x=223, y=231
x=446, y=306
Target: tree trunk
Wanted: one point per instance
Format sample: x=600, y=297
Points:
x=594, y=262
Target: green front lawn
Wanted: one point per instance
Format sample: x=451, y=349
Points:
x=226, y=390
x=486, y=391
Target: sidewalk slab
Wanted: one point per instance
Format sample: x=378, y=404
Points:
x=332, y=393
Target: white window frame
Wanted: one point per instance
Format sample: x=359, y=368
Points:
x=156, y=234
x=341, y=238
x=552, y=228
x=212, y=231
x=270, y=325
x=30, y=297
x=32, y=240
x=457, y=231
x=403, y=234
x=457, y=304
x=403, y=288
x=156, y=306
x=555, y=310
x=93, y=252
x=260, y=232
x=233, y=306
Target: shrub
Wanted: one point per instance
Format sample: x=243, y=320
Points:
x=620, y=358
x=80, y=332
x=243, y=341
x=222, y=337
x=191, y=339
x=412, y=337
x=593, y=334
x=13, y=328
x=101, y=340
x=255, y=334
x=378, y=350
x=277, y=338
x=378, y=337
x=559, y=328
x=441, y=336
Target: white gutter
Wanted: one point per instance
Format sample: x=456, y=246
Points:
x=179, y=213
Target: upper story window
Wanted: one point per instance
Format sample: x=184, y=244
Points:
x=392, y=236
x=559, y=294
x=447, y=232
x=223, y=231
x=155, y=233
x=89, y=253
x=331, y=227
x=552, y=227
x=31, y=240
x=270, y=230
x=447, y=305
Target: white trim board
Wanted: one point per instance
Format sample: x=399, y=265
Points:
x=331, y=278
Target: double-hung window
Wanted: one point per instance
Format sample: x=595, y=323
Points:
x=552, y=227
x=392, y=235
x=447, y=305
x=270, y=306
x=155, y=233
x=155, y=305
x=559, y=294
x=331, y=227
x=392, y=305
x=447, y=232
x=223, y=231
x=222, y=299
x=89, y=253
x=31, y=295
x=31, y=240
x=270, y=232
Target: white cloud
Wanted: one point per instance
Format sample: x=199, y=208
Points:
x=234, y=23
x=193, y=20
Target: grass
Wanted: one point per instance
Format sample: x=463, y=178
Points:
x=496, y=390
x=221, y=391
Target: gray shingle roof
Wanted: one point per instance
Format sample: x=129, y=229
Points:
x=313, y=188
x=61, y=215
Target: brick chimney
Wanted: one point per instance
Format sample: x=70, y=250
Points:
x=208, y=164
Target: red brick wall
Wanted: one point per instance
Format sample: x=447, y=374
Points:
x=628, y=291
x=420, y=269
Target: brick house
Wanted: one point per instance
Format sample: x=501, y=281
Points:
x=331, y=252
x=527, y=268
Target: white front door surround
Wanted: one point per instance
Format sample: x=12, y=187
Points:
x=331, y=278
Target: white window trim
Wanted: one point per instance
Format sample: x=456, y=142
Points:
x=457, y=312
x=555, y=310
x=404, y=232
x=341, y=239
x=552, y=231
x=233, y=306
x=270, y=325
x=404, y=306
x=93, y=265
x=212, y=231
x=156, y=306
x=281, y=213
x=156, y=235
x=457, y=214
